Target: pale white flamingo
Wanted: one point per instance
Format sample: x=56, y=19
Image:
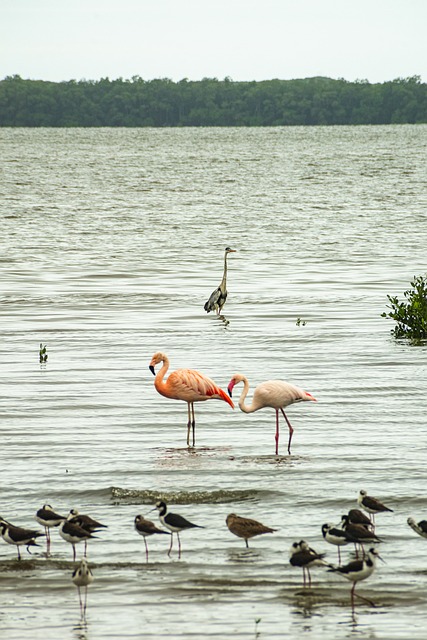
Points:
x=188, y=385
x=272, y=393
x=219, y=296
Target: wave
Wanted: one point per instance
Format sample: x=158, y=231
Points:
x=220, y=496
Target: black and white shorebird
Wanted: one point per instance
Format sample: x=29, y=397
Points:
x=174, y=522
x=47, y=517
x=82, y=577
x=336, y=536
x=356, y=516
x=219, y=296
x=419, y=527
x=73, y=533
x=19, y=536
x=85, y=521
x=246, y=527
x=360, y=533
x=303, y=556
x=371, y=505
x=358, y=570
x=146, y=528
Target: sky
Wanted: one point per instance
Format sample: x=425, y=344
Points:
x=59, y=40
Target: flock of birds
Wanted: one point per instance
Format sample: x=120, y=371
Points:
x=192, y=386
x=355, y=528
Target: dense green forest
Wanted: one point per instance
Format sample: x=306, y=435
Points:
x=209, y=102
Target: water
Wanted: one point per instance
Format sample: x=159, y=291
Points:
x=112, y=240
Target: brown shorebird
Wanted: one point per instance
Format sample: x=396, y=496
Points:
x=371, y=505
x=303, y=556
x=355, y=516
x=147, y=528
x=245, y=527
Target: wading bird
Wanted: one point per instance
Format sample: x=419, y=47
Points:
x=272, y=393
x=18, y=536
x=47, y=517
x=371, y=505
x=187, y=385
x=219, y=296
x=174, y=522
x=147, y=528
x=420, y=527
x=337, y=536
x=74, y=533
x=303, y=556
x=82, y=577
x=358, y=570
x=246, y=527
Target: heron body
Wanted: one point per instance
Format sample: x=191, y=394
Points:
x=276, y=394
x=246, y=527
x=219, y=296
x=188, y=385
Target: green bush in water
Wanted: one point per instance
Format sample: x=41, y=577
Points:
x=410, y=316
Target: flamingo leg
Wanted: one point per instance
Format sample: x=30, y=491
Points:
x=276, y=437
x=291, y=431
x=188, y=424
x=193, y=423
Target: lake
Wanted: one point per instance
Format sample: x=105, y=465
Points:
x=112, y=241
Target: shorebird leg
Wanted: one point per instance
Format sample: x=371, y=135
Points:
x=363, y=598
x=146, y=549
x=276, y=437
x=291, y=431
x=339, y=556
x=247, y=544
x=19, y=553
x=179, y=545
x=171, y=545
x=74, y=552
x=47, y=540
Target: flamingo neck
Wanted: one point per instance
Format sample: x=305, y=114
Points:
x=245, y=407
x=159, y=383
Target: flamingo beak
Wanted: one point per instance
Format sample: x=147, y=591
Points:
x=230, y=388
x=311, y=397
x=151, y=367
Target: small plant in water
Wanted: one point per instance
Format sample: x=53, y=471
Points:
x=257, y=633
x=410, y=316
x=300, y=322
x=43, y=352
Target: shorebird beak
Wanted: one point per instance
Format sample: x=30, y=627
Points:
x=151, y=367
x=230, y=388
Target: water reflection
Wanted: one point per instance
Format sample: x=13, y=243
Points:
x=246, y=556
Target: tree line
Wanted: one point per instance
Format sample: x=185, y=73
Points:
x=209, y=102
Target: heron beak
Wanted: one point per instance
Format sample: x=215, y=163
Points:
x=151, y=367
x=230, y=388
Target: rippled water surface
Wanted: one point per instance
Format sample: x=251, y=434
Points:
x=112, y=240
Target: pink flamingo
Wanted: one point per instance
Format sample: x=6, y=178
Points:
x=188, y=385
x=272, y=393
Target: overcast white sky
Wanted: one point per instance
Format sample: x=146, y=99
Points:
x=377, y=40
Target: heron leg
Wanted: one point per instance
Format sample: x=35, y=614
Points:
x=291, y=431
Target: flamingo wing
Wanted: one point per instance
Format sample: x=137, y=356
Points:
x=193, y=386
